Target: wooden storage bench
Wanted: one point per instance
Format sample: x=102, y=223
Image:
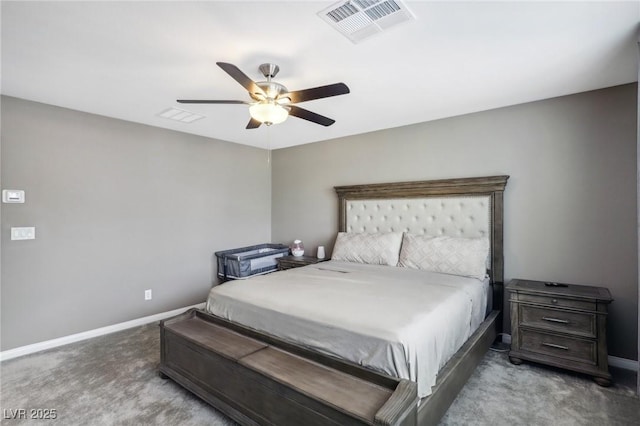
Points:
x=258, y=379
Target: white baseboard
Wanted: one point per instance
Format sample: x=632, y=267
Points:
x=614, y=361
x=627, y=364
x=48, y=344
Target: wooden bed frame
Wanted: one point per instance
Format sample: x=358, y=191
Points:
x=459, y=368
x=190, y=356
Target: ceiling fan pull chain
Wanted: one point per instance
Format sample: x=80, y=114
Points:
x=269, y=145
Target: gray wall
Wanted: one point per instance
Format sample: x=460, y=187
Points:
x=570, y=204
x=118, y=208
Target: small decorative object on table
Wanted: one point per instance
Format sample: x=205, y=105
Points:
x=321, y=253
x=563, y=325
x=297, y=248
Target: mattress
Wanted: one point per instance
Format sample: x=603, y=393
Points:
x=402, y=322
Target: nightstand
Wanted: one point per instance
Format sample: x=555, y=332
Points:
x=564, y=326
x=288, y=262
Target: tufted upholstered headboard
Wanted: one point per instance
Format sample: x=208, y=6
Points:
x=434, y=216
x=466, y=207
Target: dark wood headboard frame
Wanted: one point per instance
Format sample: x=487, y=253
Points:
x=492, y=186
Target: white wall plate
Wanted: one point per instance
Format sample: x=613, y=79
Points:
x=12, y=196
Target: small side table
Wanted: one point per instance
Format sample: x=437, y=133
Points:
x=288, y=262
x=561, y=325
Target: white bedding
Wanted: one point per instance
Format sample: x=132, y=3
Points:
x=404, y=322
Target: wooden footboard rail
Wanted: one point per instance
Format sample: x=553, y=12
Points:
x=259, y=380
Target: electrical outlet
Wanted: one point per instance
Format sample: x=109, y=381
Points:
x=147, y=294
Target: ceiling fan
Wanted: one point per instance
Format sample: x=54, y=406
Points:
x=272, y=102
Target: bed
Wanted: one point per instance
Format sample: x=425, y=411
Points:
x=430, y=325
x=399, y=321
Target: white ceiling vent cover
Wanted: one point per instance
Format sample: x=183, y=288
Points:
x=182, y=115
x=360, y=19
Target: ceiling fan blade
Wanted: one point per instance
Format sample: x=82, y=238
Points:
x=316, y=93
x=253, y=124
x=241, y=78
x=208, y=101
x=310, y=116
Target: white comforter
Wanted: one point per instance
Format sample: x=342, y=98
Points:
x=404, y=322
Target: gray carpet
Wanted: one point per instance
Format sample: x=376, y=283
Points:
x=112, y=380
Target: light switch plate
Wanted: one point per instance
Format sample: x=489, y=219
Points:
x=12, y=196
x=23, y=233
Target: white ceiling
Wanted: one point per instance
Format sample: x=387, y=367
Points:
x=132, y=60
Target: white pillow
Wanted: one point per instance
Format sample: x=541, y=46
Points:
x=448, y=255
x=380, y=248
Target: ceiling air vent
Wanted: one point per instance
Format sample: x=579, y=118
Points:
x=360, y=19
x=182, y=115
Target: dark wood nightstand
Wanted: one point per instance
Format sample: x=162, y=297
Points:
x=563, y=326
x=288, y=262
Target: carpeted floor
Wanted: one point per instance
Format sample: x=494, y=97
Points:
x=113, y=380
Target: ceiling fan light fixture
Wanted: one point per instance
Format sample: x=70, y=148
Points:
x=272, y=102
x=268, y=113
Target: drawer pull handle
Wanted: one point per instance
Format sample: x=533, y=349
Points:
x=551, y=345
x=561, y=321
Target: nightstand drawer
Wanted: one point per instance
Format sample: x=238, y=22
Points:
x=578, y=323
x=288, y=262
x=284, y=268
x=557, y=301
x=579, y=350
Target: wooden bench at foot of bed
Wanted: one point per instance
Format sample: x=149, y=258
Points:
x=256, y=379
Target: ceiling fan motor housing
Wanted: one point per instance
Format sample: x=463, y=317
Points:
x=269, y=70
x=271, y=90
